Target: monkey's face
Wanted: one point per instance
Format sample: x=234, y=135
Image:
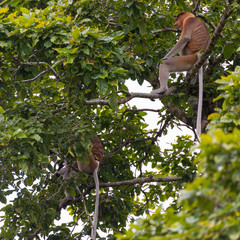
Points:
x=178, y=23
x=179, y=20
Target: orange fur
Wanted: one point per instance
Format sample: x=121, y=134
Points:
x=194, y=38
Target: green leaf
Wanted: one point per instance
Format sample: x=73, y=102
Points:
x=3, y=199
x=119, y=70
x=76, y=33
x=70, y=59
x=1, y=110
x=103, y=86
x=106, y=39
x=86, y=51
x=142, y=27
x=22, y=135
x=25, y=10
x=228, y=51
x=113, y=101
x=36, y=137
x=24, y=166
x=3, y=10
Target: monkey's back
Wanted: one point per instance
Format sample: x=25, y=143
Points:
x=199, y=37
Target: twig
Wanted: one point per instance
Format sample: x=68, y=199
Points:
x=30, y=237
x=166, y=30
x=159, y=134
x=35, y=78
x=196, y=5
x=56, y=193
x=41, y=63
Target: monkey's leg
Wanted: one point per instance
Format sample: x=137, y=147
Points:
x=163, y=79
x=176, y=64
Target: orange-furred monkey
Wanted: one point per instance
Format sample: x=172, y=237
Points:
x=86, y=167
x=194, y=37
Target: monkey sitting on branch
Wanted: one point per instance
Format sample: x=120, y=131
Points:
x=194, y=38
x=90, y=166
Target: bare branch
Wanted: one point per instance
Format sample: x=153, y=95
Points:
x=195, y=6
x=130, y=96
x=135, y=181
x=166, y=30
x=37, y=231
x=41, y=63
x=35, y=78
x=159, y=134
x=142, y=110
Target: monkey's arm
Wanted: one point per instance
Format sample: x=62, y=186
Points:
x=179, y=46
x=184, y=38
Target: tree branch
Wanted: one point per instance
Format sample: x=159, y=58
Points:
x=130, y=96
x=36, y=77
x=196, y=6
x=140, y=180
x=159, y=134
x=41, y=63
x=37, y=231
x=166, y=30
x=185, y=118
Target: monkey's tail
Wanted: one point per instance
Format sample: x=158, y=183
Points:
x=95, y=219
x=200, y=101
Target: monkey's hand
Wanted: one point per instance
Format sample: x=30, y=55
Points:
x=165, y=58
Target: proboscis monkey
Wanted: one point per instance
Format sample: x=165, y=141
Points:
x=86, y=167
x=194, y=37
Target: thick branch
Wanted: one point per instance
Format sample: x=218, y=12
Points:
x=138, y=181
x=185, y=118
x=141, y=180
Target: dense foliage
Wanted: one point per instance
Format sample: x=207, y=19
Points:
x=64, y=67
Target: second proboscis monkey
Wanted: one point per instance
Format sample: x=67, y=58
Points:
x=194, y=38
x=90, y=166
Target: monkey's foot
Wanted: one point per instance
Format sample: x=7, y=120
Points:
x=158, y=91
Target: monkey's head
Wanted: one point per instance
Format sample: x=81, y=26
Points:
x=181, y=17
